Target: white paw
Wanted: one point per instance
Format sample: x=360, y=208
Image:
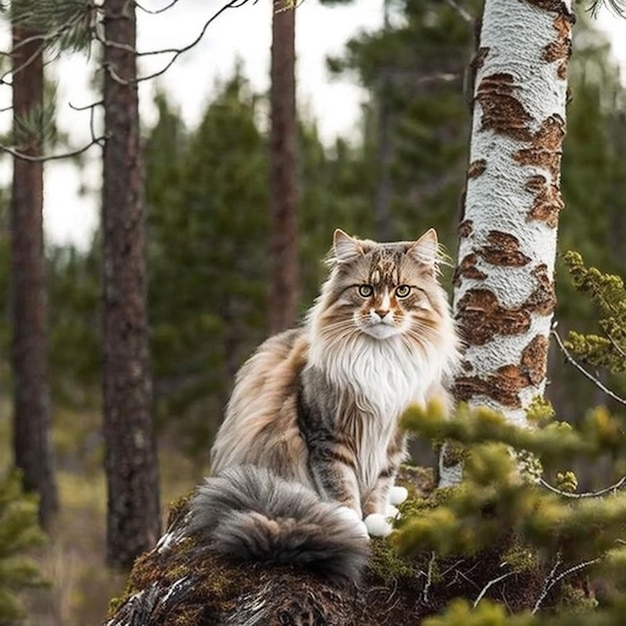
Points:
x=391, y=512
x=377, y=525
x=397, y=495
x=351, y=515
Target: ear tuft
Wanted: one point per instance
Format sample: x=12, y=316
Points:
x=346, y=248
x=426, y=249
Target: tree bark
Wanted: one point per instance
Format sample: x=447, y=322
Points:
x=31, y=436
x=504, y=291
x=284, y=278
x=133, y=513
x=384, y=148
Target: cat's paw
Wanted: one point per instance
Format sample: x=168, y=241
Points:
x=351, y=515
x=391, y=512
x=397, y=495
x=377, y=525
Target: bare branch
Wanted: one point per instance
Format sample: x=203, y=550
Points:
x=429, y=578
x=585, y=373
x=167, y=7
x=589, y=494
x=495, y=581
x=175, y=52
x=547, y=585
x=552, y=578
x=14, y=70
x=52, y=157
x=461, y=11
x=616, y=346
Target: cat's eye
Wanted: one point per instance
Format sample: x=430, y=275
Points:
x=402, y=291
x=365, y=291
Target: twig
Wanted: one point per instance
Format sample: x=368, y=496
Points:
x=429, y=578
x=547, y=584
x=156, y=11
x=460, y=10
x=575, y=568
x=495, y=581
x=589, y=494
x=585, y=373
x=552, y=578
x=176, y=52
x=52, y=157
x=616, y=346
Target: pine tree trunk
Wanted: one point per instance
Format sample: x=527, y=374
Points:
x=504, y=289
x=384, y=148
x=133, y=515
x=284, y=278
x=31, y=443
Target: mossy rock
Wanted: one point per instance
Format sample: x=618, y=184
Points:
x=182, y=583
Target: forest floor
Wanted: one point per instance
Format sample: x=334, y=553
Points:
x=73, y=561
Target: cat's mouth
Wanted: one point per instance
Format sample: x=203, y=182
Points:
x=380, y=330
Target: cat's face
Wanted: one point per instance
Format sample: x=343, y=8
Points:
x=383, y=290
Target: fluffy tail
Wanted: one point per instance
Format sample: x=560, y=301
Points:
x=250, y=513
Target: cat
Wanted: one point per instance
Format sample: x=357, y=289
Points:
x=305, y=458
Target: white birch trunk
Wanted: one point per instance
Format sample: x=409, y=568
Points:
x=504, y=290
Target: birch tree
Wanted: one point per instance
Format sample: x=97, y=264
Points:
x=504, y=289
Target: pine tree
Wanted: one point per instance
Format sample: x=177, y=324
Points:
x=29, y=351
x=415, y=123
x=133, y=514
x=283, y=249
x=208, y=262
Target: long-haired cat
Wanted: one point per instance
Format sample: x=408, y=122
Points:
x=310, y=444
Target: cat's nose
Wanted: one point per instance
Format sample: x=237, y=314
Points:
x=381, y=313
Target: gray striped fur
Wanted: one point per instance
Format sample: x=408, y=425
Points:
x=251, y=514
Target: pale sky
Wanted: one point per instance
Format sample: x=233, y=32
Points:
x=243, y=33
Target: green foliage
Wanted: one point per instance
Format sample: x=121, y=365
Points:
x=607, y=294
x=593, y=185
x=19, y=532
x=75, y=350
x=65, y=24
x=486, y=614
x=207, y=224
x=414, y=68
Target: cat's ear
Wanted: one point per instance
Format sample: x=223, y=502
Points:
x=426, y=249
x=346, y=248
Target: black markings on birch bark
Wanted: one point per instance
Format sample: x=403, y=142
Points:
x=481, y=317
x=507, y=381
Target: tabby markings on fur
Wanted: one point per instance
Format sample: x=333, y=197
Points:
x=318, y=406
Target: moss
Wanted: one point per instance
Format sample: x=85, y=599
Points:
x=520, y=558
x=387, y=564
x=575, y=598
x=178, y=509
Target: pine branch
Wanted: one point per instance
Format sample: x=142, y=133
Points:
x=95, y=140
